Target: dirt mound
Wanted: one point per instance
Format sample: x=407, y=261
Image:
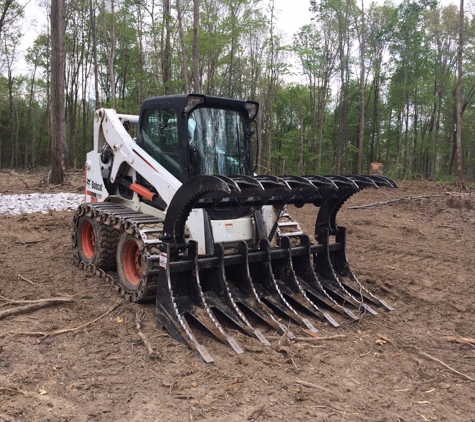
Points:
x=84, y=360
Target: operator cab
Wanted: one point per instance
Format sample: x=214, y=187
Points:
x=193, y=135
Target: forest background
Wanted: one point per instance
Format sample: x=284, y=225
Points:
x=378, y=81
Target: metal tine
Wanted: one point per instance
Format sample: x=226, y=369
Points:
x=321, y=182
x=347, y=187
x=216, y=293
x=208, y=319
x=270, y=291
x=338, y=258
x=189, y=298
x=343, y=269
x=325, y=226
x=383, y=181
x=329, y=279
x=242, y=290
x=364, y=181
x=171, y=309
x=182, y=331
x=303, y=191
x=310, y=282
x=248, y=185
x=343, y=181
x=230, y=182
x=274, y=188
x=291, y=287
x=345, y=191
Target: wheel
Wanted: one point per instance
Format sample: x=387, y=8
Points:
x=96, y=243
x=130, y=266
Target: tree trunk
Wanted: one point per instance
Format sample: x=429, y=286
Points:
x=231, y=52
x=183, y=48
x=388, y=141
x=321, y=121
x=58, y=59
x=301, y=144
x=166, y=49
x=111, y=48
x=11, y=117
x=458, y=140
x=433, y=162
x=196, y=47
x=3, y=16
x=361, y=36
x=269, y=102
x=94, y=55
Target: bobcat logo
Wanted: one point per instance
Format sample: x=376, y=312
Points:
x=93, y=185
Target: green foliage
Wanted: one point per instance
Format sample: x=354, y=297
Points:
x=310, y=126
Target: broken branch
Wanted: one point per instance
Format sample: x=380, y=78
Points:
x=30, y=242
x=461, y=340
x=32, y=307
x=404, y=198
x=447, y=366
x=442, y=363
x=65, y=330
x=384, y=338
x=24, y=302
x=139, y=317
x=12, y=390
x=25, y=279
x=310, y=385
x=317, y=337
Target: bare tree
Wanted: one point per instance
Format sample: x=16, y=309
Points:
x=154, y=29
x=166, y=48
x=183, y=47
x=110, y=47
x=302, y=131
x=458, y=140
x=94, y=55
x=58, y=59
x=196, y=46
x=361, y=37
x=272, y=83
x=5, y=17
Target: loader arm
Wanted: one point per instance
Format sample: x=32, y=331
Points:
x=108, y=129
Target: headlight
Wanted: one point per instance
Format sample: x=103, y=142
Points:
x=252, y=109
x=192, y=102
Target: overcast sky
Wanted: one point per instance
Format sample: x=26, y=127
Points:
x=292, y=14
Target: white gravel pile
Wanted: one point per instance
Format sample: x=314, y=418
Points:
x=39, y=202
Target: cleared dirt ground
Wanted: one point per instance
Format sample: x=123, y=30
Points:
x=419, y=255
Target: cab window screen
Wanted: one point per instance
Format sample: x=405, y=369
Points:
x=220, y=140
x=160, y=138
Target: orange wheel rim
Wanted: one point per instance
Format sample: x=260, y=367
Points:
x=131, y=258
x=88, y=239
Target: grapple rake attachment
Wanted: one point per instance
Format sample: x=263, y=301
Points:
x=254, y=281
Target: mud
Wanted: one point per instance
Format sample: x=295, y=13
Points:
x=418, y=254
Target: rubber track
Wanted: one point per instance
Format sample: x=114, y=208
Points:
x=108, y=247
x=114, y=220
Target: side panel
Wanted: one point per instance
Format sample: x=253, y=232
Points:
x=95, y=190
x=232, y=231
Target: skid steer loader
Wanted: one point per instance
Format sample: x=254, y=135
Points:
x=178, y=215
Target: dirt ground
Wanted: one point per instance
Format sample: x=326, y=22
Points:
x=419, y=255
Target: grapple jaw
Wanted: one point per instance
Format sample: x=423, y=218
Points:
x=247, y=284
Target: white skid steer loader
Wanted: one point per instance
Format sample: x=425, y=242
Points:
x=178, y=215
